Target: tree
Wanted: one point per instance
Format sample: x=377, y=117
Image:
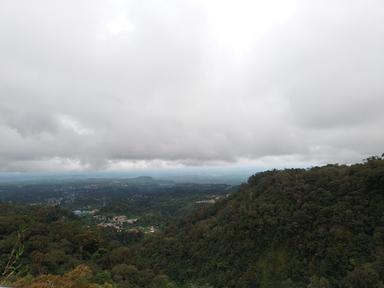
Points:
x=318, y=282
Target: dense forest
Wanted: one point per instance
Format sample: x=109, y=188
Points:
x=37, y=241
x=318, y=227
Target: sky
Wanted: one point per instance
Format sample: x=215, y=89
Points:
x=91, y=85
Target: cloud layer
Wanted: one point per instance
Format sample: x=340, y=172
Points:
x=126, y=84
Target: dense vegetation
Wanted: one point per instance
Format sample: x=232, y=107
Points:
x=39, y=240
x=319, y=227
x=152, y=201
x=322, y=227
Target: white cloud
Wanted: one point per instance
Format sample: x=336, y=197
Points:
x=130, y=84
x=70, y=123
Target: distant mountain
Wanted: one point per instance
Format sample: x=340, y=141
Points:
x=322, y=227
x=143, y=179
x=199, y=175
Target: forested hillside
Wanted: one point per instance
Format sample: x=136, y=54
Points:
x=304, y=228
x=39, y=242
x=322, y=227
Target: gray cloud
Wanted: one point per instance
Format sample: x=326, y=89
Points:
x=125, y=84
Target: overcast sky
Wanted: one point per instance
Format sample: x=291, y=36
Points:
x=89, y=84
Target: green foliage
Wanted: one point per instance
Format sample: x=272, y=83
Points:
x=318, y=282
x=363, y=277
x=102, y=277
x=321, y=227
x=54, y=243
x=12, y=264
x=297, y=228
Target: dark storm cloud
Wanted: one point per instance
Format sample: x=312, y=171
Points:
x=122, y=84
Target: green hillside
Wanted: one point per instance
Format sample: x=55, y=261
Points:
x=322, y=227
x=303, y=228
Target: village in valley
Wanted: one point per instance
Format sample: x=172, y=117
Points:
x=117, y=222
x=141, y=204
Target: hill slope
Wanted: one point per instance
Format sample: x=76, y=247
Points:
x=322, y=227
